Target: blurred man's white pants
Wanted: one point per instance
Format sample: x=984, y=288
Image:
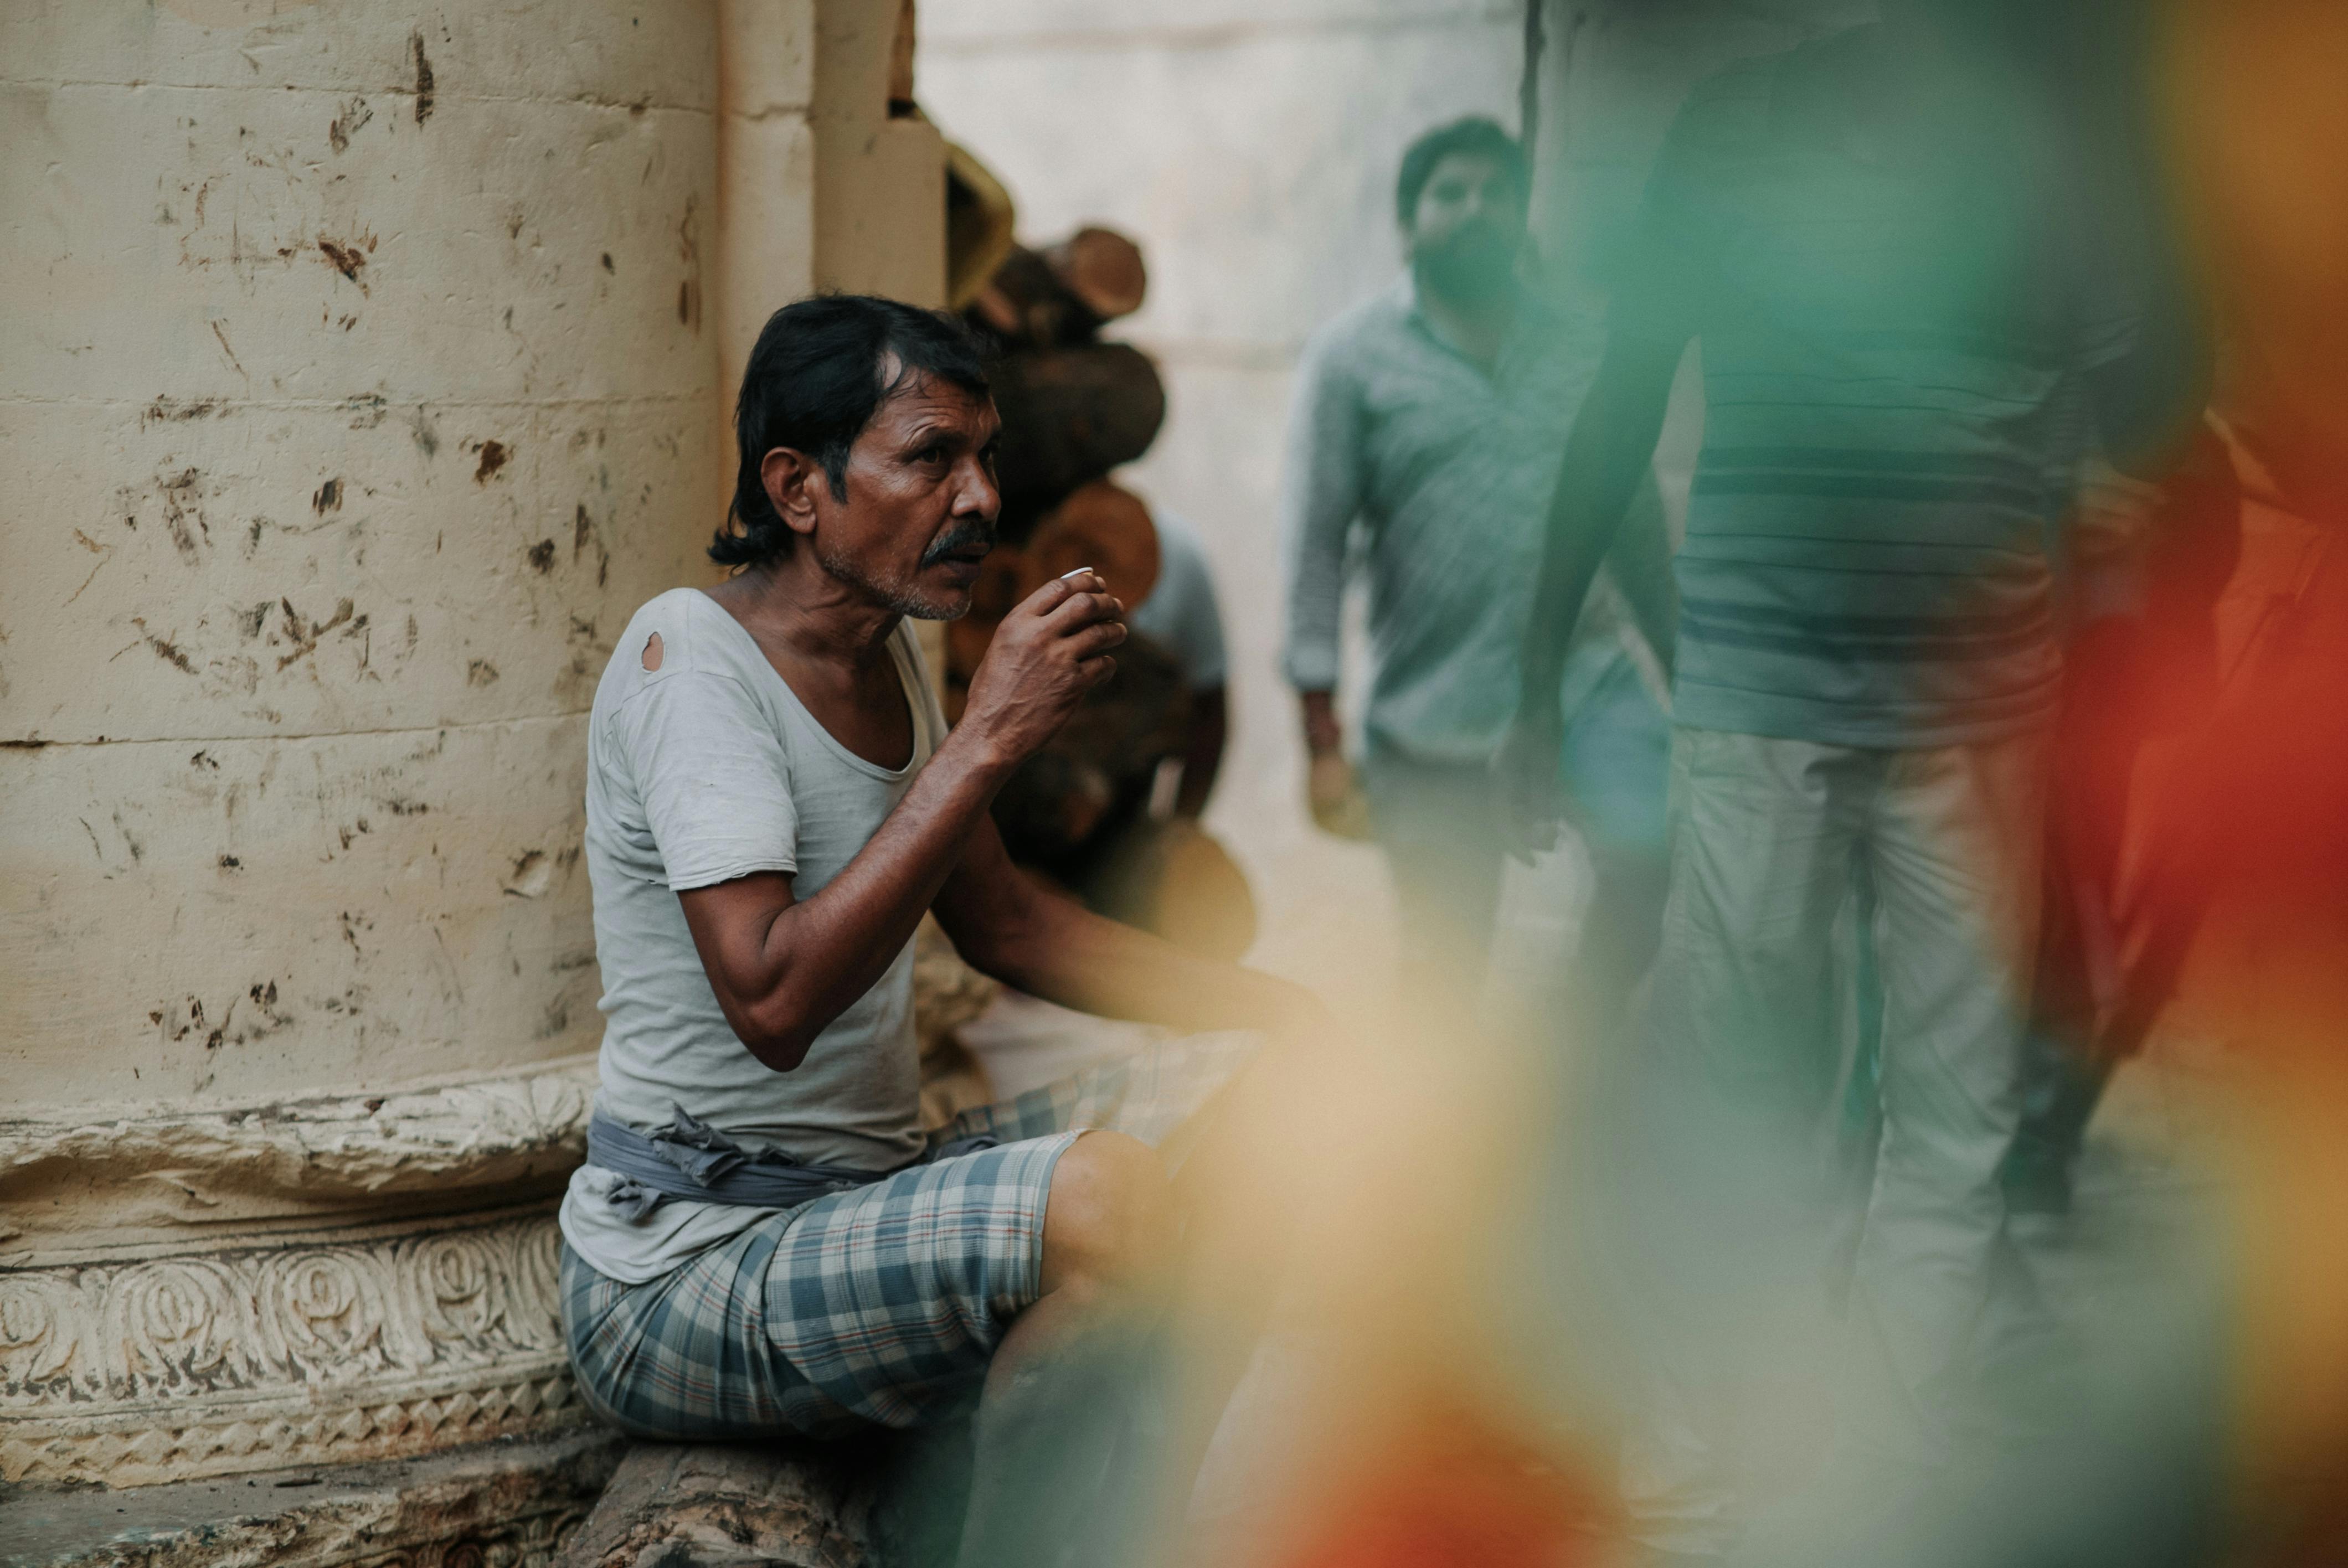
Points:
x=1748, y=1036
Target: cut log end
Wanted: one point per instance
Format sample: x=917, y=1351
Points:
x=1061, y=295
x=1102, y=268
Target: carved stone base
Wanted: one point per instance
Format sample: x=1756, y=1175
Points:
x=509, y=1505
x=197, y=1291
x=358, y=1277
x=379, y=1342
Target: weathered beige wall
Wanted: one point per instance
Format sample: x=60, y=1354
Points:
x=364, y=370
x=880, y=191
x=766, y=170
x=805, y=115
x=796, y=135
x=358, y=362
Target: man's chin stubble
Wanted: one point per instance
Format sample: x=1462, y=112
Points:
x=905, y=601
x=930, y=610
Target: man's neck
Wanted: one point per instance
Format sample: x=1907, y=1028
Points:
x=1477, y=328
x=795, y=608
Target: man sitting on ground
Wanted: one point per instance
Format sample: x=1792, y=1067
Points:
x=763, y=1240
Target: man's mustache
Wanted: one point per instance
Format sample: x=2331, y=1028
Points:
x=960, y=537
x=1479, y=239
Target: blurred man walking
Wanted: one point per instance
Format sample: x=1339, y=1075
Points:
x=1432, y=416
x=1900, y=330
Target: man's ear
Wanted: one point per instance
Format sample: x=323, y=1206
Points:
x=791, y=478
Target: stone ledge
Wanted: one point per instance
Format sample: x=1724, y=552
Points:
x=81, y=1183
x=511, y=1505
x=328, y=1154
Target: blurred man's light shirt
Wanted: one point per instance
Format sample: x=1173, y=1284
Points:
x=1449, y=470
x=1894, y=351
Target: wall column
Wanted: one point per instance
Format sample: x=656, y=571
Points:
x=365, y=369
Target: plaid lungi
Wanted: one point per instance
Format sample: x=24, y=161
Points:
x=878, y=1306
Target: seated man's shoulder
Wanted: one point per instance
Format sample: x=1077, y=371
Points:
x=670, y=634
x=678, y=649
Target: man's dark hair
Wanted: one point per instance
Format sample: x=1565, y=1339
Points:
x=1475, y=135
x=814, y=382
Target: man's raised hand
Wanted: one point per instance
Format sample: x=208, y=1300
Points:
x=1051, y=649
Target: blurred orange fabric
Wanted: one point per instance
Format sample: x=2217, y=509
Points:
x=1453, y=1492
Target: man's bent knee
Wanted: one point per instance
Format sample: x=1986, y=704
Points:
x=1109, y=1220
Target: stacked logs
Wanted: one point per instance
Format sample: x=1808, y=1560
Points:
x=1097, y=526
x=1073, y=408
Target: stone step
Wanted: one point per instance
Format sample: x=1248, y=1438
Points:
x=511, y=1502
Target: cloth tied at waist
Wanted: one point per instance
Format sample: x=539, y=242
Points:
x=692, y=1159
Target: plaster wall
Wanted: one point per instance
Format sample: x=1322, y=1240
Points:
x=358, y=365
x=359, y=373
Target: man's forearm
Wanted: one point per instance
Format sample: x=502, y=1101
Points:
x=1640, y=566
x=783, y=968
x=1202, y=751
x=1006, y=923
x=816, y=957
x=1323, y=501
x=1583, y=523
x=1318, y=711
x=1566, y=572
x=1612, y=442
x=1064, y=953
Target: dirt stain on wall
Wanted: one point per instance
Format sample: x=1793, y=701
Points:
x=350, y=260
x=424, y=94
x=355, y=114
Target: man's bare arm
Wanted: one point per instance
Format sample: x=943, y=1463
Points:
x=1006, y=923
x=783, y=969
x=1323, y=496
x=1606, y=454
x=1202, y=750
x=1640, y=564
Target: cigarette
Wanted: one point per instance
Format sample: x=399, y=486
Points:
x=1079, y=572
